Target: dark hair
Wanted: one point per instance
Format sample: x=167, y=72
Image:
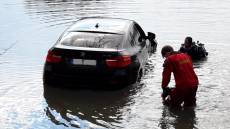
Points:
x=166, y=49
x=189, y=40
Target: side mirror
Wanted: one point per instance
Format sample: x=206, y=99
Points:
x=151, y=36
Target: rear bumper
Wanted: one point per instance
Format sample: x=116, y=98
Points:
x=95, y=77
x=115, y=79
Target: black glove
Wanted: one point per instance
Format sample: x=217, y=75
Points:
x=166, y=92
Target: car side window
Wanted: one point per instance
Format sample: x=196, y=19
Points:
x=132, y=41
x=140, y=30
x=136, y=37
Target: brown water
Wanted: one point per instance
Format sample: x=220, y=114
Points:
x=29, y=28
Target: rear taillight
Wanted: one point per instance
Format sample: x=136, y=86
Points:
x=52, y=58
x=118, y=62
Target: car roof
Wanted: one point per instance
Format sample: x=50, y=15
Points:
x=102, y=24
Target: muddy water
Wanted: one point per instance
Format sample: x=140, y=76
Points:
x=29, y=28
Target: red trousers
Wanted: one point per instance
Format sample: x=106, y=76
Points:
x=178, y=96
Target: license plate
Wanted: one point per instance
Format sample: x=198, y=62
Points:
x=84, y=62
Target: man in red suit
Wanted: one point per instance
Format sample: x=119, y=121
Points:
x=186, y=80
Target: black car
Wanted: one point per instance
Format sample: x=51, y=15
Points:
x=99, y=50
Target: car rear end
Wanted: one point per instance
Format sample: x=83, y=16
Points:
x=91, y=56
x=88, y=67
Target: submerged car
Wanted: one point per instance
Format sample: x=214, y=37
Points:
x=99, y=50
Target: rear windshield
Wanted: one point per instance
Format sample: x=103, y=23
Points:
x=92, y=40
x=111, y=25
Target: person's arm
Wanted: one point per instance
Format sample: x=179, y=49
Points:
x=166, y=74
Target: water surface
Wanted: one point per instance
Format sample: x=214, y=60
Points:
x=30, y=27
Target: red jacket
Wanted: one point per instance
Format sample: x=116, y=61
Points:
x=181, y=66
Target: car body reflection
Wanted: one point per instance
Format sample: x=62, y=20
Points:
x=87, y=108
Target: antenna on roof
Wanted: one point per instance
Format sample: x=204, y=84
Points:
x=97, y=25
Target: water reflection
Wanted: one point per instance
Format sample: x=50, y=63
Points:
x=178, y=119
x=57, y=12
x=87, y=108
x=199, y=63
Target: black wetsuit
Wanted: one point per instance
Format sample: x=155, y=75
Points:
x=192, y=52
